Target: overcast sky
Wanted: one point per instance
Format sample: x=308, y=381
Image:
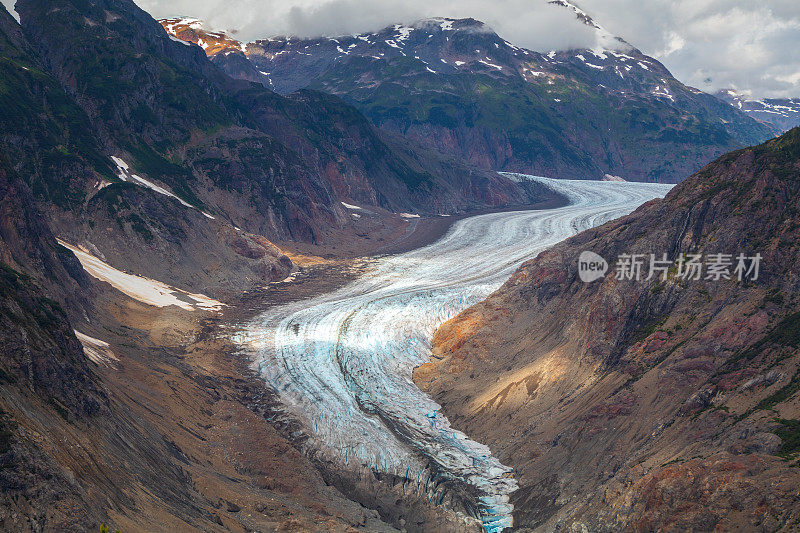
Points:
x=750, y=45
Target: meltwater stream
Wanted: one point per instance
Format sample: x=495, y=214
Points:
x=341, y=363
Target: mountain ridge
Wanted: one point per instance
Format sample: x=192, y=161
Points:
x=443, y=82
x=782, y=114
x=104, y=88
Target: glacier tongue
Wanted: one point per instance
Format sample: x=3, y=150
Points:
x=341, y=363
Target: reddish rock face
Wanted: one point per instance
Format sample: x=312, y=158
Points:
x=191, y=30
x=658, y=404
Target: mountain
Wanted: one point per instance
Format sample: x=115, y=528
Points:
x=136, y=174
x=225, y=51
x=137, y=147
x=63, y=155
x=652, y=404
x=782, y=114
x=458, y=87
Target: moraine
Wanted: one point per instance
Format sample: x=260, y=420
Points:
x=341, y=363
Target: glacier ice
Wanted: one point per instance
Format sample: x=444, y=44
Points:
x=341, y=363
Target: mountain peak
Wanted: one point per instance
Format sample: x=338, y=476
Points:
x=451, y=24
x=193, y=30
x=430, y=27
x=605, y=40
x=781, y=114
x=581, y=14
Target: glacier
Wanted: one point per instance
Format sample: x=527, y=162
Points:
x=341, y=363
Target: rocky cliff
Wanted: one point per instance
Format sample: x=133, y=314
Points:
x=641, y=405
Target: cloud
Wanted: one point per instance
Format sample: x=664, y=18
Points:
x=714, y=44
x=710, y=44
x=531, y=23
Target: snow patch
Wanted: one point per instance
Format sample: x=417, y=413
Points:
x=354, y=207
x=621, y=56
x=402, y=32
x=173, y=38
x=127, y=176
x=99, y=352
x=498, y=67
x=663, y=92
x=140, y=288
x=14, y=13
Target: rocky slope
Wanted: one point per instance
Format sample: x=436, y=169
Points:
x=134, y=418
x=653, y=404
x=55, y=147
x=458, y=87
x=42, y=361
x=782, y=114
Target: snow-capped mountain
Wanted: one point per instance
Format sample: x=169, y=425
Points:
x=457, y=86
x=782, y=114
x=224, y=50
